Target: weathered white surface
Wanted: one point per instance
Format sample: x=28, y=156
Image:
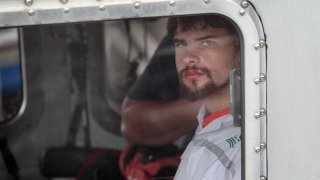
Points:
x=292, y=29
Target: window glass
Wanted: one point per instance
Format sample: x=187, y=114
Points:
x=120, y=99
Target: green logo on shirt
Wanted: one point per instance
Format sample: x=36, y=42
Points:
x=232, y=141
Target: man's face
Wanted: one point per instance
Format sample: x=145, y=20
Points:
x=204, y=59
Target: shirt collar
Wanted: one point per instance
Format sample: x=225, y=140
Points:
x=205, y=120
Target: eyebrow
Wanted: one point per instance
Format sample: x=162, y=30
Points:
x=206, y=37
x=176, y=40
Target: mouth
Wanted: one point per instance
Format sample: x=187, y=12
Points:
x=192, y=74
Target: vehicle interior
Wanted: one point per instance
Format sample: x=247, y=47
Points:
x=62, y=87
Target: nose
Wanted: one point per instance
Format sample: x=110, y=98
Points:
x=190, y=58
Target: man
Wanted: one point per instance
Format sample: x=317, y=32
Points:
x=153, y=113
x=154, y=116
x=207, y=49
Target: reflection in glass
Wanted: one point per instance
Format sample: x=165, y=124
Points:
x=10, y=75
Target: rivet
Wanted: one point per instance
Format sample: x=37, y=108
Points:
x=66, y=10
x=244, y=4
x=64, y=1
x=207, y=1
x=242, y=12
x=137, y=4
x=257, y=115
x=28, y=2
x=261, y=147
x=263, y=112
x=262, y=43
x=263, y=77
x=31, y=12
x=263, y=178
x=102, y=7
x=258, y=149
x=172, y=3
x=257, y=81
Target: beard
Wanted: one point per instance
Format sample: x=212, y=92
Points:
x=195, y=93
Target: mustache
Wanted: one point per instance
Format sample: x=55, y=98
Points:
x=195, y=68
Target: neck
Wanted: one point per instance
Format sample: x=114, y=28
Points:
x=217, y=101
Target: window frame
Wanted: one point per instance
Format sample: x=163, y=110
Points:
x=241, y=12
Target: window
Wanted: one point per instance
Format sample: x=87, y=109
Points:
x=11, y=76
x=86, y=67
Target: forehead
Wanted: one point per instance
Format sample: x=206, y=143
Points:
x=199, y=33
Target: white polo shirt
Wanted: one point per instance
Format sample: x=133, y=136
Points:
x=215, y=151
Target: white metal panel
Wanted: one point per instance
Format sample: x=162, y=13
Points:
x=293, y=88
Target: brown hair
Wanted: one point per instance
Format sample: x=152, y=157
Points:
x=185, y=23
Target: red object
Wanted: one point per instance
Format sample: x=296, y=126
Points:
x=214, y=116
x=137, y=170
x=89, y=163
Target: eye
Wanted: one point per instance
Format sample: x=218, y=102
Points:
x=207, y=43
x=180, y=44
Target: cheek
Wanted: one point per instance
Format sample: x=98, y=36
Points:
x=228, y=60
x=219, y=66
